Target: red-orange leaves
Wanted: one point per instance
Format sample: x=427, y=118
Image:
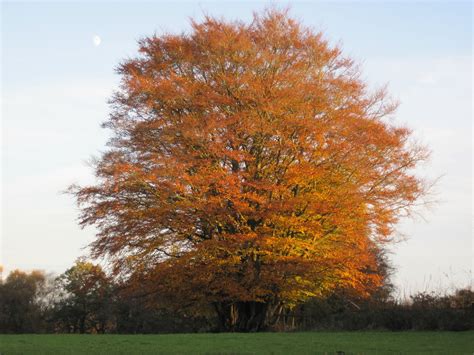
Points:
x=249, y=164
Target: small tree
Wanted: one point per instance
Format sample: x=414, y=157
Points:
x=86, y=301
x=20, y=308
x=250, y=169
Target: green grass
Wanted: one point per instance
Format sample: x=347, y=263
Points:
x=262, y=343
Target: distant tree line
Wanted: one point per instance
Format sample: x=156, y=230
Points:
x=84, y=299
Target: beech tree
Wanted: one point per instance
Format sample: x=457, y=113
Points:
x=250, y=169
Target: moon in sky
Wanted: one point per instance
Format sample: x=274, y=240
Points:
x=96, y=40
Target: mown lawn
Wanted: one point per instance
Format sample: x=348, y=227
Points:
x=262, y=343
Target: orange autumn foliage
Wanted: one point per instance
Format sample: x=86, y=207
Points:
x=249, y=163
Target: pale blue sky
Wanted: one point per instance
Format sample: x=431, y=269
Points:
x=55, y=84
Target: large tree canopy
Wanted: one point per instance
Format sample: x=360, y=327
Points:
x=250, y=168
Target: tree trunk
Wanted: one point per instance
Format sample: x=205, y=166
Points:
x=82, y=324
x=243, y=316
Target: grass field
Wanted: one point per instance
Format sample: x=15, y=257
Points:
x=262, y=343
